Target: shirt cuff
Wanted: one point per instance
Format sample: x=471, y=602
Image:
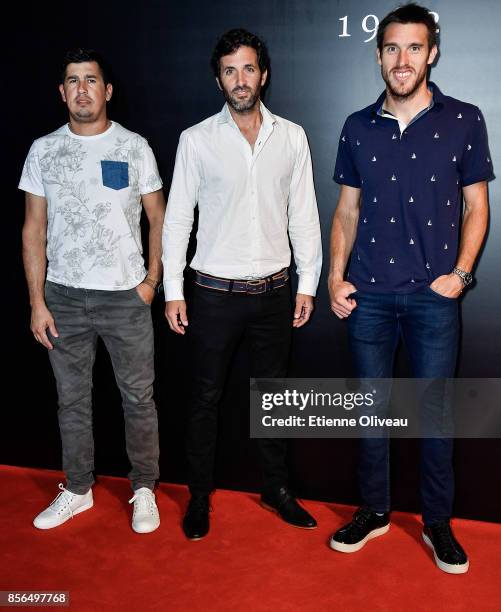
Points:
x=308, y=284
x=173, y=290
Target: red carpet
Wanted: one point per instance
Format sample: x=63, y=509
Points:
x=250, y=560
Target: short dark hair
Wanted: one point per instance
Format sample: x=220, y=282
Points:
x=80, y=55
x=409, y=13
x=231, y=41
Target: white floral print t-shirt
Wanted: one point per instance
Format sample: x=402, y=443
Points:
x=93, y=186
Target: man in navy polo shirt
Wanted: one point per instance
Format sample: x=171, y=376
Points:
x=404, y=164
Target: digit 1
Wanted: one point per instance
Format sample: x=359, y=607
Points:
x=345, y=27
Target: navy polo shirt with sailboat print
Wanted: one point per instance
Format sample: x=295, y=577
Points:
x=410, y=182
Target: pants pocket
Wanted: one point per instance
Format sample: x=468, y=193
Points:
x=439, y=296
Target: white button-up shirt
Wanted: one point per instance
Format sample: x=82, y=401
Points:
x=250, y=203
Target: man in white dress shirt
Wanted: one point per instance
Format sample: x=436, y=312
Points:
x=250, y=174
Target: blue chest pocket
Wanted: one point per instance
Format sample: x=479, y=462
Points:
x=115, y=174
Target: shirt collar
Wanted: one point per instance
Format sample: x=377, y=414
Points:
x=437, y=100
x=268, y=118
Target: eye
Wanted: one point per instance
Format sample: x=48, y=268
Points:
x=250, y=69
x=93, y=81
x=415, y=49
x=391, y=49
x=228, y=71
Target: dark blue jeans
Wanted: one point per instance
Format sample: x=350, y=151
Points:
x=428, y=323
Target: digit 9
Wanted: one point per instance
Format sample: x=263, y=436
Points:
x=366, y=28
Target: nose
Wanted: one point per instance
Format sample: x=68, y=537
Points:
x=241, y=78
x=82, y=86
x=403, y=57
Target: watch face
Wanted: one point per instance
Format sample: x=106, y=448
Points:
x=467, y=278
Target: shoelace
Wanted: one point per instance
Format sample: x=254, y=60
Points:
x=443, y=535
x=62, y=501
x=143, y=502
x=360, y=519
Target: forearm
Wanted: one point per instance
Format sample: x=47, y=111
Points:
x=343, y=232
x=35, y=263
x=155, y=249
x=472, y=236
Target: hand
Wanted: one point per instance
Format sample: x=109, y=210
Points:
x=41, y=319
x=146, y=293
x=175, y=313
x=448, y=285
x=341, y=305
x=304, y=308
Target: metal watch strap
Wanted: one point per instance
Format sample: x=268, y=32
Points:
x=466, y=277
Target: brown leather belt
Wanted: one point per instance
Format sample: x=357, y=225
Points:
x=251, y=287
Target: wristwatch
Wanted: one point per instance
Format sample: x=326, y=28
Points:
x=466, y=277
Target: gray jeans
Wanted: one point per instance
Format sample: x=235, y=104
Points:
x=123, y=321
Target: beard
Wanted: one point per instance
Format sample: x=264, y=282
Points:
x=242, y=106
x=404, y=91
x=82, y=116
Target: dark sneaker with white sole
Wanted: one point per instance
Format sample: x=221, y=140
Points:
x=448, y=553
x=364, y=526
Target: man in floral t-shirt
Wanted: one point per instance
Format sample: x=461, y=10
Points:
x=86, y=184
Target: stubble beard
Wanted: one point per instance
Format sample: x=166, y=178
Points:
x=242, y=106
x=82, y=116
x=401, y=96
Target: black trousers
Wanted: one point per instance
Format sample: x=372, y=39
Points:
x=217, y=322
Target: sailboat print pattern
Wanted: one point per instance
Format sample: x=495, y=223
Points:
x=408, y=188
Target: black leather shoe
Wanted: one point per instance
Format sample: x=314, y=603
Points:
x=285, y=505
x=364, y=526
x=449, y=556
x=196, y=519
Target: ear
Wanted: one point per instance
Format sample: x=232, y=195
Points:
x=264, y=76
x=219, y=83
x=378, y=57
x=109, y=92
x=61, y=91
x=433, y=54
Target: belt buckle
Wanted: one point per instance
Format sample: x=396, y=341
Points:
x=254, y=286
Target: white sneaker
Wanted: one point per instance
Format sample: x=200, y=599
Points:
x=145, y=517
x=64, y=507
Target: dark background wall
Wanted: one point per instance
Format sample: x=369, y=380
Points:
x=163, y=84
